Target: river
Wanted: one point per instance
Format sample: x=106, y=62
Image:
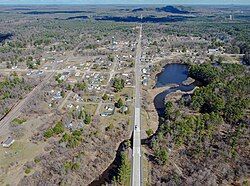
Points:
x=171, y=74
x=112, y=171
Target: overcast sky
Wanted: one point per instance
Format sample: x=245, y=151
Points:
x=124, y=1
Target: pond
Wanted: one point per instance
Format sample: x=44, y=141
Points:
x=171, y=74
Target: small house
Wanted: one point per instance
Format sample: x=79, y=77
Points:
x=105, y=114
x=8, y=142
x=69, y=125
x=109, y=107
x=145, y=82
x=213, y=50
x=58, y=95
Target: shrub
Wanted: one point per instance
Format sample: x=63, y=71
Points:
x=48, y=133
x=149, y=132
x=59, y=128
x=27, y=170
x=87, y=119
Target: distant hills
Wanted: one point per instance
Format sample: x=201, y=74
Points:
x=148, y=19
x=137, y=10
x=56, y=12
x=171, y=9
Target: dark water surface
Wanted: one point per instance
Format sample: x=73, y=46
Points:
x=5, y=36
x=112, y=171
x=171, y=74
x=159, y=100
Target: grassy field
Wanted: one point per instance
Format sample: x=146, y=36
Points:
x=13, y=158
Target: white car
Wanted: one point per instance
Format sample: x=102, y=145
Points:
x=40, y=72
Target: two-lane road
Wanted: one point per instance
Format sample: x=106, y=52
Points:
x=137, y=174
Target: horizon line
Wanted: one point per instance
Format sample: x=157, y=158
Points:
x=25, y=4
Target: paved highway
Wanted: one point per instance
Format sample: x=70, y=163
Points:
x=136, y=172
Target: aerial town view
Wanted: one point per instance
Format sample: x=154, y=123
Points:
x=130, y=92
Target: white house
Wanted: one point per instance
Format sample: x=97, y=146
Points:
x=8, y=142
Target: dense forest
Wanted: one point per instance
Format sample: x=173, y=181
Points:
x=12, y=89
x=214, y=140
